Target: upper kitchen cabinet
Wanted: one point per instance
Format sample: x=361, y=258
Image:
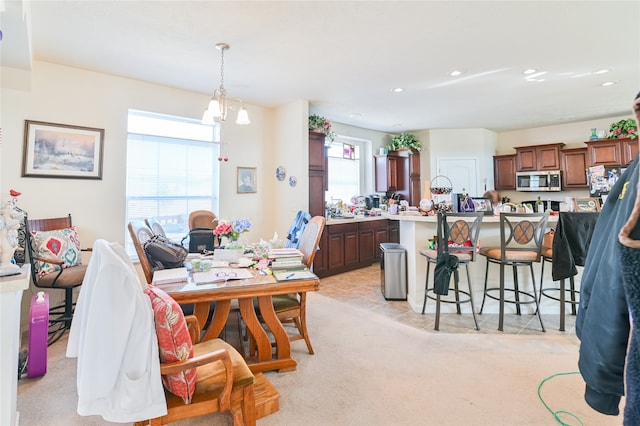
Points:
x=574, y=168
x=318, y=173
x=612, y=152
x=538, y=157
x=399, y=172
x=504, y=172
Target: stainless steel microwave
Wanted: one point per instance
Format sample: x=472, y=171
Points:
x=539, y=181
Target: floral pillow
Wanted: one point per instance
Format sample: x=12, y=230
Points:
x=174, y=342
x=61, y=244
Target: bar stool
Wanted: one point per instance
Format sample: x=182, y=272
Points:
x=521, y=236
x=462, y=230
x=567, y=248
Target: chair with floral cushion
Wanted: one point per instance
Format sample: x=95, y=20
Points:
x=56, y=263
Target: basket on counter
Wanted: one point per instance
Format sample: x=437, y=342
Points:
x=441, y=188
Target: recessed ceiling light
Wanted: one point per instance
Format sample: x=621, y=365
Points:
x=397, y=90
x=529, y=71
x=609, y=83
x=355, y=115
x=602, y=71
x=456, y=73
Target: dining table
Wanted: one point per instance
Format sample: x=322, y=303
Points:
x=261, y=286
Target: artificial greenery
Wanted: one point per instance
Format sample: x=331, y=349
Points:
x=320, y=124
x=404, y=141
x=624, y=129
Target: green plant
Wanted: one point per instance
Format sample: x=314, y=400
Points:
x=624, y=129
x=322, y=125
x=406, y=141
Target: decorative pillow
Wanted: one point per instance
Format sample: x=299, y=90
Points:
x=174, y=342
x=61, y=244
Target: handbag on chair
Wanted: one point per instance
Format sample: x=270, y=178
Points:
x=446, y=263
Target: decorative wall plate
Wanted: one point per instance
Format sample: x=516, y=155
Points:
x=292, y=181
x=280, y=173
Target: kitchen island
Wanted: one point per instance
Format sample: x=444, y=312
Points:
x=416, y=230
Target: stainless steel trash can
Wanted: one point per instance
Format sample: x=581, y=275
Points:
x=393, y=271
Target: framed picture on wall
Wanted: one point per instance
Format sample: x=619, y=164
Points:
x=62, y=151
x=246, y=180
x=586, y=205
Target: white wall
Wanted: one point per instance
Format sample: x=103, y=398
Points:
x=65, y=95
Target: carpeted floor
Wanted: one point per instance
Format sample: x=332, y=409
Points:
x=368, y=370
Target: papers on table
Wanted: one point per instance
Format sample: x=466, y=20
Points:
x=294, y=275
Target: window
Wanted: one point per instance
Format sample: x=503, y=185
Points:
x=347, y=172
x=172, y=169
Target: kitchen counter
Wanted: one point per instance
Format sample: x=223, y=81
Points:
x=355, y=219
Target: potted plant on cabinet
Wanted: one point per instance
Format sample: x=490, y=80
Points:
x=320, y=124
x=405, y=141
x=624, y=129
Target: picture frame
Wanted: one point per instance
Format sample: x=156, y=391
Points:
x=586, y=204
x=246, y=180
x=53, y=150
x=483, y=204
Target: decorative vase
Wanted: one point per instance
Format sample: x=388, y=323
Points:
x=594, y=135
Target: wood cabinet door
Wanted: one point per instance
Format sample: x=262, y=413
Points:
x=380, y=235
x=548, y=157
x=316, y=193
x=335, y=252
x=317, y=152
x=526, y=159
x=504, y=172
x=351, y=248
x=629, y=149
x=394, y=231
x=574, y=168
x=606, y=153
x=366, y=245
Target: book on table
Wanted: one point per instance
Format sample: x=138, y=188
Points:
x=294, y=264
x=173, y=275
x=284, y=253
x=221, y=274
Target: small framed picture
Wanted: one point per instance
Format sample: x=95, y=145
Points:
x=586, y=205
x=246, y=180
x=62, y=151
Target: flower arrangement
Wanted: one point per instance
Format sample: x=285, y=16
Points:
x=232, y=230
x=320, y=124
x=624, y=129
x=404, y=141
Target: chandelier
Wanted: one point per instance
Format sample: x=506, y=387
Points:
x=217, y=109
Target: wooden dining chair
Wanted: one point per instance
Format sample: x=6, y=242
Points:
x=140, y=232
x=292, y=308
x=202, y=219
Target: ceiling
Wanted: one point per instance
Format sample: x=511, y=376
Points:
x=345, y=57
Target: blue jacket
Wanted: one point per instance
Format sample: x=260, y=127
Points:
x=602, y=324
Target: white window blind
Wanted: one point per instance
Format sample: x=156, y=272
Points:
x=172, y=169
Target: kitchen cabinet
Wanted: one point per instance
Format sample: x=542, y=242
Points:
x=538, y=157
x=353, y=245
x=574, y=168
x=371, y=234
x=504, y=172
x=318, y=173
x=612, y=152
x=399, y=172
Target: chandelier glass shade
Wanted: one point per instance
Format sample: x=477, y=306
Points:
x=219, y=103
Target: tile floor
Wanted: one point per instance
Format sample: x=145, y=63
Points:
x=361, y=288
